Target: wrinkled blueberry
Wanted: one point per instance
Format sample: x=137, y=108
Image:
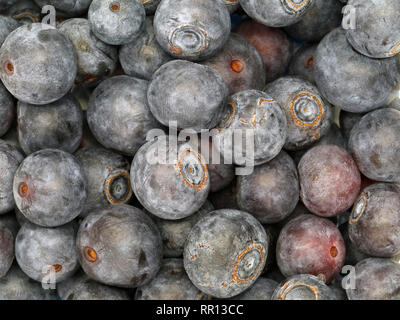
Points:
x=119, y=246
x=38, y=64
x=192, y=29
x=96, y=59
x=50, y=188
x=225, y=252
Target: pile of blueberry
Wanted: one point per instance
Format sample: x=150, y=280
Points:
x=95, y=205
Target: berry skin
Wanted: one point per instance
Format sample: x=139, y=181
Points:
x=378, y=28
x=81, y=287
x=171, y=96
x=50, y=188
x=262, y=289
x=57, y=125
x=320, y=19
x=376, y=279
x=16, y=285
x=108, y=177
x=119, y=246
x=255, y=112
x=96, y=59
x=329, y=180
x=67, y=7
x=276, y=13
x=10, y=158
x=302, y=63
x=118, y=114
x=171, y=283
x=303, y=287
x=351, y=81
x=25, y=12
x=374, y=145
x=239, y=64
x=142, y=57
x=308, y=115
x=225, y=252
x=38, y=64
x=7, y=25
x=374, y=222
x=273, y=45
x=174, y=232
x=310, y=245
x=271, y=192
x=192, y=29
x=39, y=249
x=7, y=110
x=116, y=22
x=171, y=188
x=8, y=231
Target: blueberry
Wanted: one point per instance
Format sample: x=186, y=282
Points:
x=116, y=22
x=239, y=64
x=376, y=279
x=142, y=57
x=41, y=250
x=225, y=252
x=56, y=125
x=119, y=246
x=174, y=189
x=174, y=232
x=25, y=11
x=374, y=145
x=8, y=231
x=302, y=63
x=108, y=177
x=273, y=45
x=7, y=25
x=308, y=115
x=349, y=80
x=320, y=19
x=16, y=285
x=276, y=13
x=4, y=4
x=374, y=221
x=191, y=94
x=259, y=113
x=171, y=283
x=150, y=6
x=81, y=287
x=271, y=192
x=221, y=173
x=192, y=29
x=10, y=158
x=303, y=287
x=118, y=114
x=377, y=31
x=353, y=254
x=96, y=59
x=50, y=188
x=310, y=245
x=329, y=180
x=67, y=7
x=38, y=64
x=7, y=110
x=262, y=289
